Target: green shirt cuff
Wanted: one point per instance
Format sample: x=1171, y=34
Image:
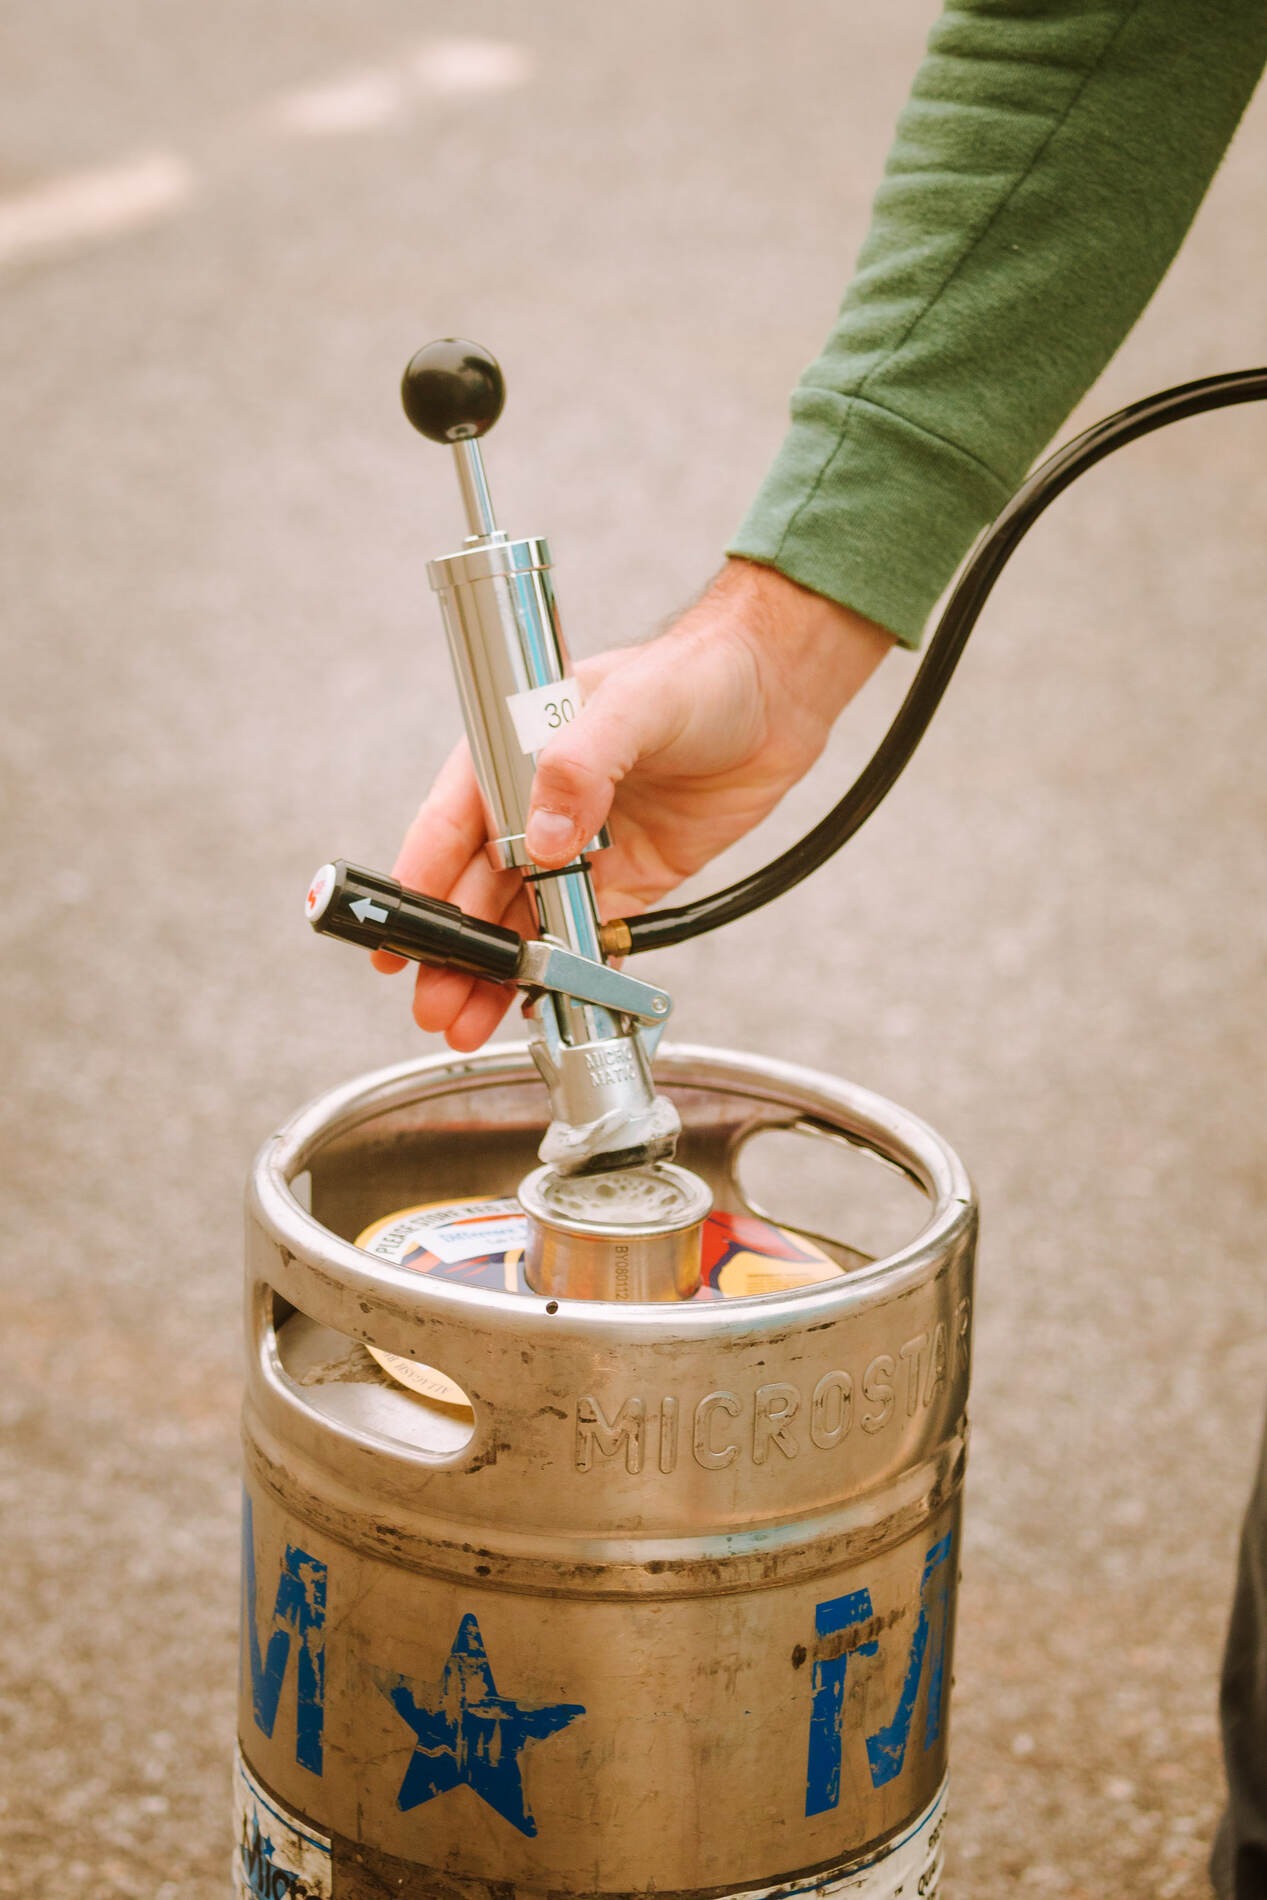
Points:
x=851, y=489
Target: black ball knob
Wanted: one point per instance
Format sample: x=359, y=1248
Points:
x=452, y=390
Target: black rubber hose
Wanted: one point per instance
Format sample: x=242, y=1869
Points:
x=658, y=928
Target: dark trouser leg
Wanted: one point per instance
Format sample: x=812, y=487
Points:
x=1238, y=1866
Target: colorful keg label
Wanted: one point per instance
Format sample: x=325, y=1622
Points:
x=745, y=1255
x=482, y=1242
x=276, y=1856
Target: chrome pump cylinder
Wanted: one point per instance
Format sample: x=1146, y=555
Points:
x=504, y=641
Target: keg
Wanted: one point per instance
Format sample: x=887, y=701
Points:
x=664, y=1603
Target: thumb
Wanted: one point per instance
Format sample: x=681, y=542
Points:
x=630, y=715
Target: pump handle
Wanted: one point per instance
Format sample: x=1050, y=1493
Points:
x=345, y=900
x=453, y=390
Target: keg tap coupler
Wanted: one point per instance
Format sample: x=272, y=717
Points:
x=592, y=1029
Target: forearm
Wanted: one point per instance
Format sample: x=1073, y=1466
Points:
x=1044, y=173
x=810, y=648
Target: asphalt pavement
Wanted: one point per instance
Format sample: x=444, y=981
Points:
x=222, y=232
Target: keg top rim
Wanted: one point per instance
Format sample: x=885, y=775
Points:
x=330, y=1272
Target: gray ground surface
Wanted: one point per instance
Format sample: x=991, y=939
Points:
x=225, y=666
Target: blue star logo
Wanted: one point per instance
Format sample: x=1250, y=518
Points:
x=469, y=1734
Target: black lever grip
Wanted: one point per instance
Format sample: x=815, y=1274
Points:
x=345, y=900
x=452, y=390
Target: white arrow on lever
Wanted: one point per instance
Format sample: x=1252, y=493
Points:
x=366, y=911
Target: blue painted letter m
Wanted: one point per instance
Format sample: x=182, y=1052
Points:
x=299, y=1618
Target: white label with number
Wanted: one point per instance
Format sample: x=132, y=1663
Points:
x=542, y=711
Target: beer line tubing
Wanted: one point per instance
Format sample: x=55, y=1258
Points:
x=657, y=929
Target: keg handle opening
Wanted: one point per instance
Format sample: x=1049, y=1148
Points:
x=787, y=1195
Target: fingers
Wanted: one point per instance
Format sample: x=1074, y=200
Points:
x=446, y=834
x=443, y=856
x=477, y=1020
x=636, y=710
x=637, y=706
x=465, y=1009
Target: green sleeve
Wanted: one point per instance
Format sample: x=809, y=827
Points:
x=1044, y=172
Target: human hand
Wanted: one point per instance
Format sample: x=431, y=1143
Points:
x=681, y=747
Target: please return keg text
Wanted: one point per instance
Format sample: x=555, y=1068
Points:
x=780, y=1419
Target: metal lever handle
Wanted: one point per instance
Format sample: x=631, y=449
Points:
x=453, y=391
x=379, y=913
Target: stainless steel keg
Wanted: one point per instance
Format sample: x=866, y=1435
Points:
x=669, y=1606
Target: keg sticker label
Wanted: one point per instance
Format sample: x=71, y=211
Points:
x=477, y=1241
x=276, y=1856
x=544, y=710
x=469, y=1735
x=447, y=1232
x=295, y=1627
